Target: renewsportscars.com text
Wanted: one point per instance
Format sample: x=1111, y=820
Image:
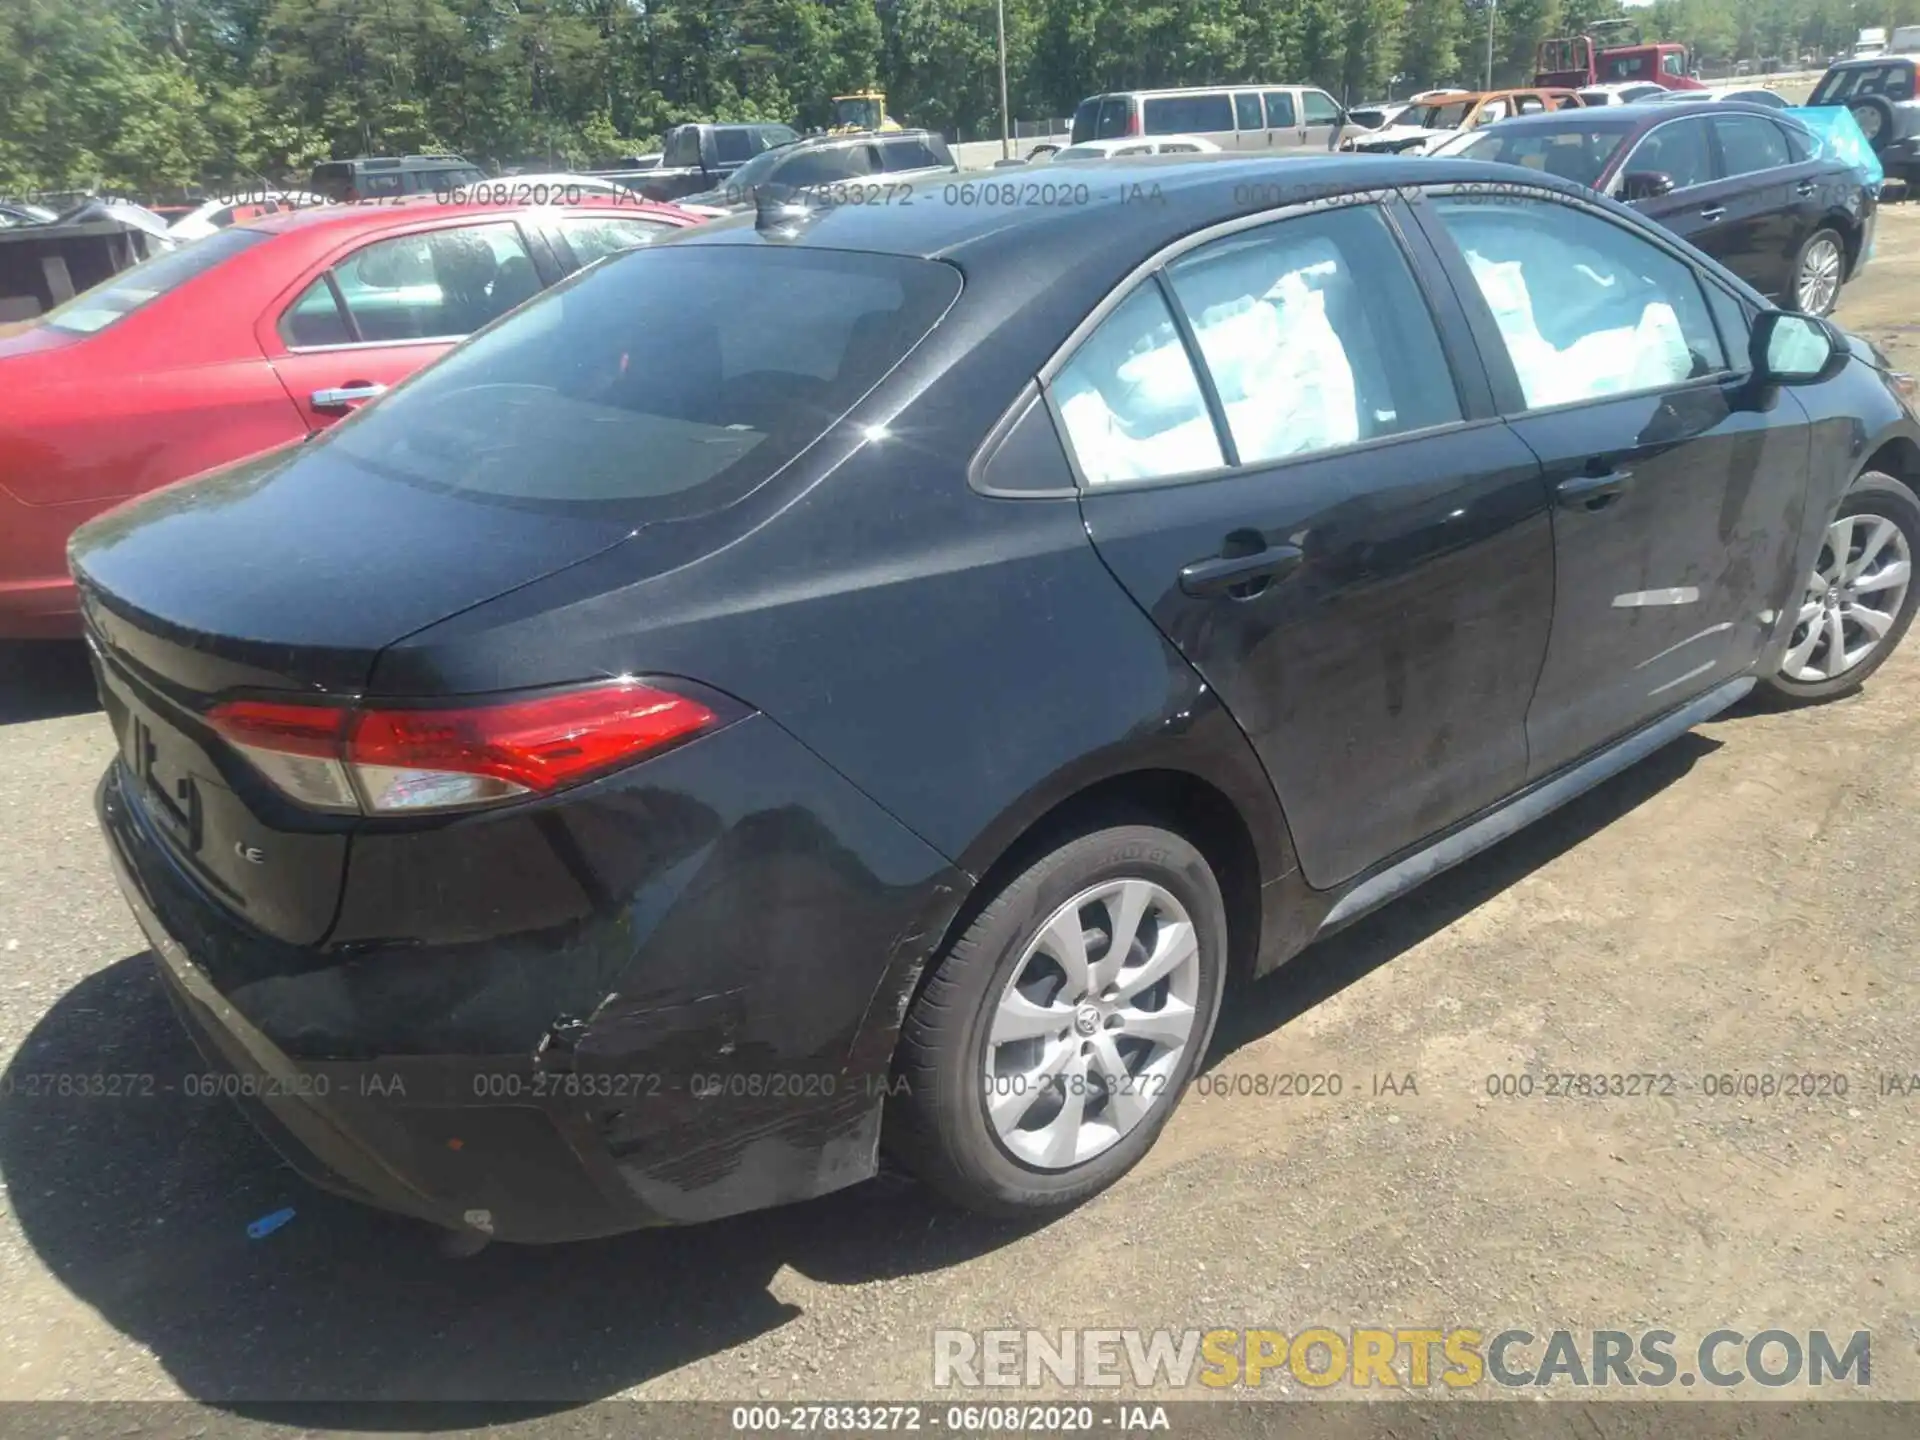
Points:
x=1400, y=1357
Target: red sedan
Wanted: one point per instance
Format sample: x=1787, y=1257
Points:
x=248, y=339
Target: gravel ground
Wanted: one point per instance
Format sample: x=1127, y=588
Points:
x=1739, y=903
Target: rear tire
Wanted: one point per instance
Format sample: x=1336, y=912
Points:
x=1852, y=619
x=987, y=1110
x=1819, y=270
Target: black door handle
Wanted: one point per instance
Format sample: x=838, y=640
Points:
x=1229, y=572
x=1592, y=492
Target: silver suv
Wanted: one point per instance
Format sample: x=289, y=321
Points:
x=1881, y=93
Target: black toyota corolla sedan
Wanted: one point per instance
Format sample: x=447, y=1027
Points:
x=855, y=680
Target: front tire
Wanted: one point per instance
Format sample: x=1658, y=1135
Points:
x=1860, y=598
x=1819, y=270
x=1058, y=1032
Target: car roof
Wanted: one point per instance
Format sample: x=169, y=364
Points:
x=1171, y=195
x=1626, y=117
x=351, y=215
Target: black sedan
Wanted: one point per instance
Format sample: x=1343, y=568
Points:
x=675, y=750
x=1744, y=183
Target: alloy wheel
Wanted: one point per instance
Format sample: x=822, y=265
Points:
x=1853, y=598
x=1090, y=1030
x=1817, y=286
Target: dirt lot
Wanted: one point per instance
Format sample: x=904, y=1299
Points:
x=1742, y=903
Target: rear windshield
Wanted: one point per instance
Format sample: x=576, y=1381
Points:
x=1188, y=114
x=1577, y=154
x=661, y=382
x=93, y=310
x=1894, y=81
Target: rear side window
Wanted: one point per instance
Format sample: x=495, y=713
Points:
x=1185, y=114
x=1315, y=334
x=666, y=384
x=1279, y=109
x=1246, y=112
x=1749, y=144
x=1130, y=402
x=93, y=310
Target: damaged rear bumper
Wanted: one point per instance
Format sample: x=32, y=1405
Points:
x=671, y=1111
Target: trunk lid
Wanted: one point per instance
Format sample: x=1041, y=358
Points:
x=286, y=573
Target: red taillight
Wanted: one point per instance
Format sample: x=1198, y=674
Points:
x=388, y=761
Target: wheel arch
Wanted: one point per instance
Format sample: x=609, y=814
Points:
x=1898, y=456
x=1205, y=784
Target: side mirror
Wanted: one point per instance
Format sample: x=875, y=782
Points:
x=1340, y=122
x=1646, y=185
x=1789, y=349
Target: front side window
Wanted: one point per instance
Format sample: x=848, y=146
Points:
x=1279, y=109
x=662, y=385
x=93, y=310
x=1318, y=107
x=1086, y=121
x=1678, y=150
x=1587, y=308
x=1315, y=334
x=1749, y=144
x=1130, y=402
x=682, y=150
x=1115, y=111
x=1670, y=63
x=1491, y=111
x=436, y=285
x=731, y=147
x=1188, y=114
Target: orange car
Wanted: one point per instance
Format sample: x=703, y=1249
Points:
x=1427, y=124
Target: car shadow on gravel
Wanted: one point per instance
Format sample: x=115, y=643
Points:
x=43, y=680
x=139, y=1204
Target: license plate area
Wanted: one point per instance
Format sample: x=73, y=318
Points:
x=169, y=791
